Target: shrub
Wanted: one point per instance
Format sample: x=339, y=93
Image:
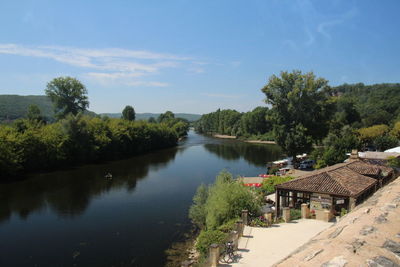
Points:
x=229, y=225
x=259, y=221
x=197, y=212
x=208, y=237
x=268, y=185
x=343, y=212
x=295, y=214
x=227, y=198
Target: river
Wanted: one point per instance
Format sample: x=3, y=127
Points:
x=76, y=217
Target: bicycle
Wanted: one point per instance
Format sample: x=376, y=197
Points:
x=228, y=254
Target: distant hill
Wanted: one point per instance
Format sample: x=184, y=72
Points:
x=15, y=106
x=146, y=116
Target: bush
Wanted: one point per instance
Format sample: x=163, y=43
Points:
x=227, y=198
x=208, y=237
x=343, y=212
x=268, y=185
x=259, y=221
x=229, y=225
x=295, y=214
x=197, y=212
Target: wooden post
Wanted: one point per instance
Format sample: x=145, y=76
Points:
x=245, y=215
x=214, y=255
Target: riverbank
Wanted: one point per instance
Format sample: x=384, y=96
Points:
x=222, y=136
x=76, y=140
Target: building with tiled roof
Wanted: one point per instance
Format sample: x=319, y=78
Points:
x=341, y=186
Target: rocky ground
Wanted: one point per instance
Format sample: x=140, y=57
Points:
x=368, y=236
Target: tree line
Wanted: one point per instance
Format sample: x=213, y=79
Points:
x=304, y=112
x=33, y=144
x=253, y=124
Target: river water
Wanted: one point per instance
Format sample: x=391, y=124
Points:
x=76, y=217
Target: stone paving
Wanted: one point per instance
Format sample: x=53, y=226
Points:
x=265, y=246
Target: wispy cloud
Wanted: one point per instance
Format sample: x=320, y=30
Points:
x=315, y=24
x=322, y=27
x=107, y=65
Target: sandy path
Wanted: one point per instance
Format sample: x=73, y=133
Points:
x=266, y=246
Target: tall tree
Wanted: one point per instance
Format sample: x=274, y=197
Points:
x=164, y=117
x=300, y=110
x=128, y=113
x=68, y=95
x=34, y=113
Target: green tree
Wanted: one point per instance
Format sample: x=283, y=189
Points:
x=395, y=132
x=164, y=117
x=68, y=95
x=368, y=135
x=255, y=122
x=128, y=113
x=300, y=110
x=152, y=120
x=34, y=113
x=227, y=198
x=197, y=212
x=268, y=185
x=385, y=142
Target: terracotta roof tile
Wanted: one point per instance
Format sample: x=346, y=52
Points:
x=345, y=179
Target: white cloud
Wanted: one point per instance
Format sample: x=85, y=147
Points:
x=107, y=66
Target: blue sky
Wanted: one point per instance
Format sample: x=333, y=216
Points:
x=193, y=56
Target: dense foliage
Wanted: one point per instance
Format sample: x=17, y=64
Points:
x=376, y=104
x=30, y=145
x=128, y=113
x=268, y=185
x=300, y=110
x=215, y=207
x=308, y=115
x=69, y=96
x=252, y=124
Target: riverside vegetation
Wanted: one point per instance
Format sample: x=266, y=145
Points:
x=217, y=207
x=32, y=144
x=306, y=115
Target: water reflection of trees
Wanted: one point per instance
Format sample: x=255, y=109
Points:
x=68, y=193
x=257, y=154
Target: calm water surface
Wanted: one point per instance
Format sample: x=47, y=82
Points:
x=79, y=218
